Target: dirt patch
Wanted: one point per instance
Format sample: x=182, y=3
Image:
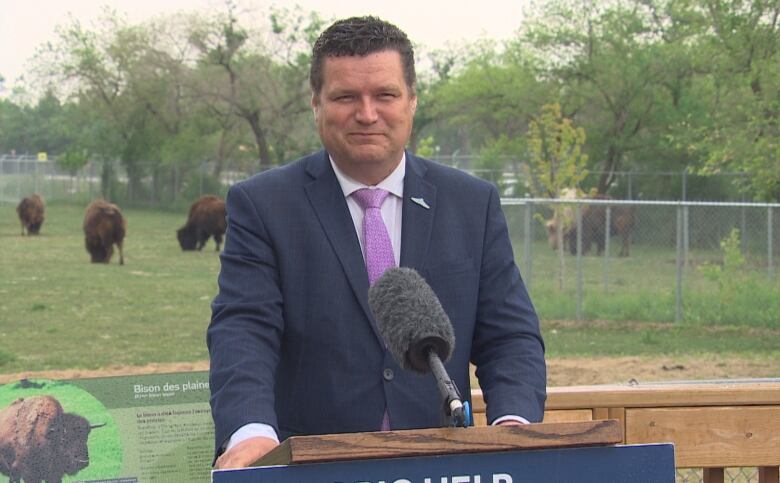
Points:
x=109, y=371
x=561, y=372
x=616, y=370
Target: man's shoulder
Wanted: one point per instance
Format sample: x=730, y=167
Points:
x=282, y=177
x=443, y=175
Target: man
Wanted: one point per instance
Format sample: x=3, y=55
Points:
x=294, y=348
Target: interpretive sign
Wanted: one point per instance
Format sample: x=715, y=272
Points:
x=149, y=428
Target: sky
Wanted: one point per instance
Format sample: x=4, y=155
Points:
x=27, y=24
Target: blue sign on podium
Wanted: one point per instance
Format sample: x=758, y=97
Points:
x=653, y=463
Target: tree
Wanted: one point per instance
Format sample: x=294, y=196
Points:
x=557, y=164
x=742, y=130
x=611, y=60
x=264, y=83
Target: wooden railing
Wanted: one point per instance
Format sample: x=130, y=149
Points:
x=713, y=424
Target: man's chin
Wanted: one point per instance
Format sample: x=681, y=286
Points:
x=370, y=154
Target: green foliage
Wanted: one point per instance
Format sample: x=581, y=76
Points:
x=426, y=147
x=741, y=297
x=730, y=277
x=557, y=164
x=199, y=183
x=73, y=160
x=555, y=146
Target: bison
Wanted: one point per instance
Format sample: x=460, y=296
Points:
x=104, y=227
x=39, y=441
x=565, y=216
x=207, y=218
x=594, y=220
x=30, y=211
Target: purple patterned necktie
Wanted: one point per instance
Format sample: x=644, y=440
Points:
x=376, y=243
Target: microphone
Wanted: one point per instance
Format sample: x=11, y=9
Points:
x=417, y=331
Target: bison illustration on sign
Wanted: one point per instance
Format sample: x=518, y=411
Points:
x=104, y=227
x=207, y=218
x=30, y=211
x=39, y=441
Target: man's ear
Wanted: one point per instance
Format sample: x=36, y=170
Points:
x=414, y=104
x=315, y=105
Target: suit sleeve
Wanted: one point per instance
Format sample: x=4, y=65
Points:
x=507, y=348
x=246, y=327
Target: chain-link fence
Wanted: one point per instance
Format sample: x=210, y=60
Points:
x=170, y=186
x=513, y=180
x=651, y=261
x=163, y=185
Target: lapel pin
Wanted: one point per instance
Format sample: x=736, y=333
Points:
x=421, y=202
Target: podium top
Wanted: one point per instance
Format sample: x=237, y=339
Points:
x=439, y=441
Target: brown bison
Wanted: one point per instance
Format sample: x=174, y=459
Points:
x=104, y=226
x=39, y=441
x=564, y=215
x=207, y=218
x=594, y=220
x=30, y=212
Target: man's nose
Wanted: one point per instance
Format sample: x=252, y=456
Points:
x=366, y=111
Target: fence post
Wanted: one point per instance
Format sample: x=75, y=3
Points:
x=743, y=240
x=35, y=177
x=678, y=286
x=2, y=178
x=579, y=261
x=18, y=179
x=686, y=237
x=769, y=232
x=527, y=244
x=91, y=181
x=685, y=184
x=608, y=225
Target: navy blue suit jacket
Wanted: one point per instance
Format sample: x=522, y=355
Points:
x=292, y=341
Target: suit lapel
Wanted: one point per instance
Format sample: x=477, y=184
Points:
x=419, y=207
x=327, y=200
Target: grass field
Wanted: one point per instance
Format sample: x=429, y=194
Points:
x=58, y=311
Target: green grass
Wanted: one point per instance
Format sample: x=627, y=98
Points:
x=615, y=339
x=58, y=311
x=642, y=288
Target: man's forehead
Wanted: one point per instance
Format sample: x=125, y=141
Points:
x=388, y=53
x=355, y=68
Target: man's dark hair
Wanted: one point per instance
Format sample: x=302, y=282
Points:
x=360, y=36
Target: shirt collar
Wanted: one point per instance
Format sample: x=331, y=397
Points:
x=394, y=182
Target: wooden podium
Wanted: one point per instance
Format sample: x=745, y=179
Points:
x=547, y=453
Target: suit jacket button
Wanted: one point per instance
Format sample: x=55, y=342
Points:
x=388, y=374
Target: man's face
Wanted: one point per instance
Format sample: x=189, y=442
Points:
x=364, y=113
